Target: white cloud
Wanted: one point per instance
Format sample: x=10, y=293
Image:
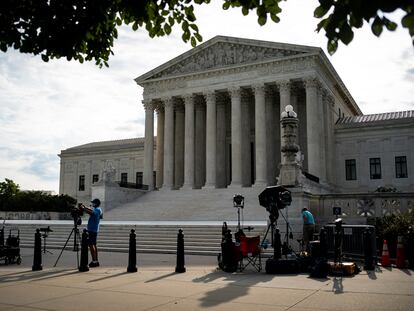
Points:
x=47, y=107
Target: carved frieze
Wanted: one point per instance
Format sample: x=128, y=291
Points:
x=225, y=54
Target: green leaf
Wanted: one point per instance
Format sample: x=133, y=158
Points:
x=262, y=20
x=167, y=29
x=193, y=42
x=275, y=18
x=346, y=34
x=391, y=26
x=332, y=46
x=408, y=21
x=171, y=21
x=135, y=26
x=376, y=26
x=45, y=58
x=118, y=21
x=320, y=11
x=226, y=5
x=245, y=11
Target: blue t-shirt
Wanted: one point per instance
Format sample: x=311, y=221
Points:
x=94, y=218
x=308, y=218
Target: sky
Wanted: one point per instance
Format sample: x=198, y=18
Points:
x=49, y=107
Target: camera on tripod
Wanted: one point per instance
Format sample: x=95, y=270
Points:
x=275, y=198
x=77, y=212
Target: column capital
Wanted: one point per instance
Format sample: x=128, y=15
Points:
x=210, y=97
x=258, y=89
x=284, y=85
x=235, y=91
x=188, y=98
x=312, y=81
x=168, y=102
x=148, y=104
x=159, y=108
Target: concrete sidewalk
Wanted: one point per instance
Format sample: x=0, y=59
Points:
x=201, y=287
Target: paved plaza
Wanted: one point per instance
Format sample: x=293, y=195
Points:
x=156, y=287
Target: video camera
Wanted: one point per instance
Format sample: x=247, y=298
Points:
x=275, y=198
x=77, y=212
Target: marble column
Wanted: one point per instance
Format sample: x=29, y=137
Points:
x=312, y=128
x=330, y=151
x=221, y=177
x=236, y=137
x=189, y=142
x=62, y=177
x=200, y=146
x=179, y=147
x=211, y=140
x=160, y=146
x=260, y=135
x=148, y=145
x=168, y=181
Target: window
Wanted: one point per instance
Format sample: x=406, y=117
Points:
x=82, y=183
x=350, y=169
x=375, y=168
x=401, y=167
x=139, y=178
x=95, y=178
x=124, y=178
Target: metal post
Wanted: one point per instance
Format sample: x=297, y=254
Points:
x=277, y=252
x=368, y=250
x=410, y=247
x=2, y=237
x=37, y=254
x=132, y=258
x=180, y=252
x=323, y=238
x=83, y=267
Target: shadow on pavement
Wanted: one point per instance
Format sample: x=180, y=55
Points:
x=34, y=275
x=161, y=277
x=108, y=277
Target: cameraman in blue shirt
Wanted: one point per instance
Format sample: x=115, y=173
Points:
x=95, y=215
x=308, y=227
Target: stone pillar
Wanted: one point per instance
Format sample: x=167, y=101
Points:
x=189, y=142
x=247, y=122
x=290, y=171
x=148, y=177
x=312, y=128
x=199, y=146
x=330, y=150
x=273, y=137
x=260, y=135
x=62, y=177
x=211, y=140
x=168, y=180
x=160, y=146
x=236, y=138
x=221, y=177
x=179, y=147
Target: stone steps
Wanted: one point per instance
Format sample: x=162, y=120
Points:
x=199, y=240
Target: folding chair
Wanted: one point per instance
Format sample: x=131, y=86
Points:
x=251, y=252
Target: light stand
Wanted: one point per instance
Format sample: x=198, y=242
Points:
x=44, y=236
x=238, y=202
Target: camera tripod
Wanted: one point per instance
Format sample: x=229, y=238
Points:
x=76, y=239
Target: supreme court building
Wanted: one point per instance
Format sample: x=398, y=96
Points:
x=217, y=109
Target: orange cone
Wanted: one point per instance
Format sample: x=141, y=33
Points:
x=400, y=263
x=385, y=259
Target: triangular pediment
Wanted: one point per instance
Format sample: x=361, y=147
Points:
x=224, y=52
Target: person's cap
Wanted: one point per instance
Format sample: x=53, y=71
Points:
x=304, y=209
x=96, y=202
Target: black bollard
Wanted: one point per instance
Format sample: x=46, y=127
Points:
x=37, y=253
x=180, y=252
x=410, y=247
x=83, y=266
x=2, y=237
x=323, y=238
x=277, y=244
x=368, y=250
x=132, y=259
